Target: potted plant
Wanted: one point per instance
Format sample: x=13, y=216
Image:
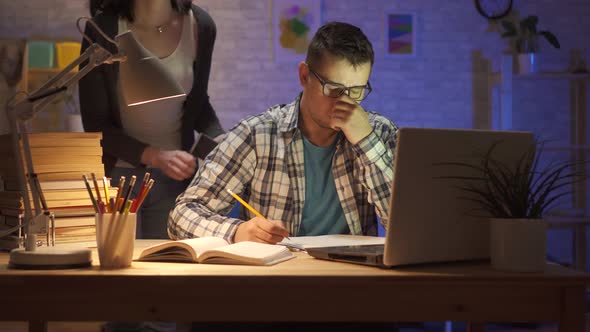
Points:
x=526, y=42
x=515, y=198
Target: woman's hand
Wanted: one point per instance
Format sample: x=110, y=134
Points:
x=220, y=138
x=176, y=164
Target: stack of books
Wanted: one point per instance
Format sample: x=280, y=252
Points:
x=59, y=160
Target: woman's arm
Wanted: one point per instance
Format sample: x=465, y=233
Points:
x=206, y=121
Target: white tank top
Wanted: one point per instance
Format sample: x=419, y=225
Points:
x=159, y=123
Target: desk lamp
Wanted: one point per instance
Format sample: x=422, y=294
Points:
x=146, y=80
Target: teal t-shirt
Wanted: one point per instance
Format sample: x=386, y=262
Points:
x=322, y=211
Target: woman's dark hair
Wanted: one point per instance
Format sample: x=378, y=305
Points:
x=124, y=8
x=341, y=40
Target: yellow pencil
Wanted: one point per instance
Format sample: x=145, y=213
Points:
x=107, y=196
x=253, y=210
x=98, y=198
x=239, y=199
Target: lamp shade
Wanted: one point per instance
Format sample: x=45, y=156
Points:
x=144, y=78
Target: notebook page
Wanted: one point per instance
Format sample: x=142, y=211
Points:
x=335, y=240
x=247, y=253
x=202, y=244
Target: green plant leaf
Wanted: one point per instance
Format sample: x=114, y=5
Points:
x=524, y=190
x=528, y=25
x=550, y=38
x=509, y=29
x=483, y=206
x=556, y=197
x=554, y=181
x=522, y=180
x=487, y=200
x=508, y=34
x=460, y=164
x=547, y=177
x=553, y=199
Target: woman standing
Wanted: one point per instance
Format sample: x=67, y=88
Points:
x=152, y=137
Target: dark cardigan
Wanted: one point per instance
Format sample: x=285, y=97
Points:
x=99, y=98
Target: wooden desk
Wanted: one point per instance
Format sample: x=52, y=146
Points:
x=302, y=289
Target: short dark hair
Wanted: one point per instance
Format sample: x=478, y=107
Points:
x=341, y=40
x=124, y=8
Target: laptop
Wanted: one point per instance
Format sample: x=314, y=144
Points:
x=428, y=221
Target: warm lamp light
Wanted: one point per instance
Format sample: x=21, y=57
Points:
x=145, y=79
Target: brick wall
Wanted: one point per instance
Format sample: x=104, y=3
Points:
x=434, y=88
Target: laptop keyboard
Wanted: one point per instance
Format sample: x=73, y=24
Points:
x=360, y=249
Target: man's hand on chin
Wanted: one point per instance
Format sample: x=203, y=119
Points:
x=349, y=117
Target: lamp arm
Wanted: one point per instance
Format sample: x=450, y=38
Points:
x=56, y=78
x=96, y=55
x=22, y=180
x=25, y=110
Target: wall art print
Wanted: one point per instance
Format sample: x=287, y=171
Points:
x=401, y=34
x=294, y=24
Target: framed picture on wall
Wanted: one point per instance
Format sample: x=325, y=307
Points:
x=294, y=22
x=400, y=34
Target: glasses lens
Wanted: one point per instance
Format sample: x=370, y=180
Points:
x=357, y=92
x=332, y=90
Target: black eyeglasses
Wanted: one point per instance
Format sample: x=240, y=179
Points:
x=335, y=90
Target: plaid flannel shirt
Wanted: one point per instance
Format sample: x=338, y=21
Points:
x=261, y=160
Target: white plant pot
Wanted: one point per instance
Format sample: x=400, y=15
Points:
x=518, y=245
x=527, y=63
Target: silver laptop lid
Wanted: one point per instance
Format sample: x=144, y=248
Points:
x=428, y=222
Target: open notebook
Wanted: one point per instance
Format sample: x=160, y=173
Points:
x=428, y=221
x=215, y=250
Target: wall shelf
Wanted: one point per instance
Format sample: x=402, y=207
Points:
x=56, y=116
x=565, y=148
x=545, y=76
x=578, y=147
x=46, y=71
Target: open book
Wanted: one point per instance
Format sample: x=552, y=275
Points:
x=216, y=250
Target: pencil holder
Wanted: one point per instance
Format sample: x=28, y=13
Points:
x=115, y=236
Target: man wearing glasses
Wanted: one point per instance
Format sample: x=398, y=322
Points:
x=319, y=165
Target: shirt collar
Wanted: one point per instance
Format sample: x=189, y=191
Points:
x=290, y=118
